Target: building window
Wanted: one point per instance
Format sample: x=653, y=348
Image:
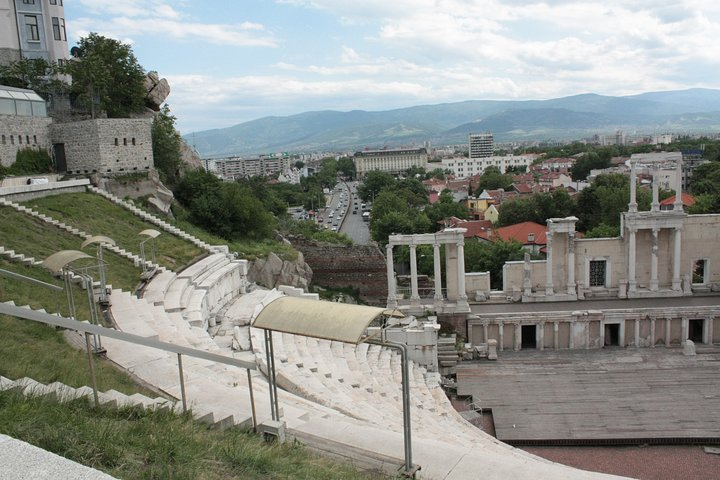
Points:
x=699, y=271
x=125, y=141
x=597, y=273
x=116, y=142
x=29, y=2
x=34, y=139
x=19, y=139
x=58, y=26
x=3, y=139
x=31, y=28
x=133, y=140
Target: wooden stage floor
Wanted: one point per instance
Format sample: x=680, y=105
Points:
x=617, y=395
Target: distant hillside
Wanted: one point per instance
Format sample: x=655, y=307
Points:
x=685, y=111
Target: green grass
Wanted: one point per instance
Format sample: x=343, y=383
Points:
x=35, y=238
x=134, y=444
x=35, y=350
x=96, y=215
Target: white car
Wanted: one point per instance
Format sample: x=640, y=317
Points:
x=334, y=229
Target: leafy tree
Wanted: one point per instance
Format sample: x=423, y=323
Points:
x=606, y=199
x=537, y=208
x=438, y=173
x=166, y=144
x=346, y=166
x=482, y=256
x=107, y=77
x=373, y=183
x=391, y=213
x=705, y=203
x=590, y=161
x=492, y=179
x=603, y=230
x=445, y=207
x=299, y=164
x=34, y=74
x=706, y=179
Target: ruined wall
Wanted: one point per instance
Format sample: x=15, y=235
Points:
x=18, y=132
x=358, y=266
x=116, y=146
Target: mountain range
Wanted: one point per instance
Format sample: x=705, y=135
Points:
x=695, y=110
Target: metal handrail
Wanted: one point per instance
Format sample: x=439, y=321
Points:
x=90, y=329
x=17, y=276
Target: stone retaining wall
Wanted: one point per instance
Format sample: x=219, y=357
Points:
x=358, y=266
x=18, y=132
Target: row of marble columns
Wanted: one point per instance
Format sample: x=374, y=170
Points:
x=437, y=272
x=677, y=235
x=540, y=333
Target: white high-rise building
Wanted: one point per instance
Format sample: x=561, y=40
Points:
x=480, y=145
x=32, y=29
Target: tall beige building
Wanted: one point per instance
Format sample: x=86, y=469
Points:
x=392, y=161
x=32, y=29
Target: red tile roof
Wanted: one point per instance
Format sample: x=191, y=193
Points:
x=687, y=200
x=521, y=232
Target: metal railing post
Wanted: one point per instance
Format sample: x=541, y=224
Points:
x=182, y=383
x=252, y=400
x=92, y=369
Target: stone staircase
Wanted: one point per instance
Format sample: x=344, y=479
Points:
x=447, y=353
x=156, y=221
x=137, y=261
x=59, y=392
x=18, y=257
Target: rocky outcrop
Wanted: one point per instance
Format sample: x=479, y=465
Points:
x=190, y=158
x=158, y=90
x=272, y=272
x=160, y=196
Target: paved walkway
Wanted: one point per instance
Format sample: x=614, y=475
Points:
x=610, y=394
x=603, y=304
x=21, y=461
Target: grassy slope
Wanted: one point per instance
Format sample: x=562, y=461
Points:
x=128, y=443
x=96, y=215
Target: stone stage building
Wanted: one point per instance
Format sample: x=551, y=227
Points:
x=660, y=254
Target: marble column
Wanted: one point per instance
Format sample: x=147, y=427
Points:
x=549, y=265
x=571, y=264
x=632, y=206
x=654, y=261
x=655, y=206
x=632, y=283
x=392, y=296
x=677, y=252
x=518, y=337
x=437, y=269
x=414, y=297
x=501, y=336
x=541, y=336
x=556, y=335
x=668, y=322
x=678, y=204
x=652, y=332
x=637, y=333
x=462, y=295
x=485, y=332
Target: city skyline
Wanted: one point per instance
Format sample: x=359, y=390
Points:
x=229, y=62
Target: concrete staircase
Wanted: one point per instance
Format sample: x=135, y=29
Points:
x=157, y=221
x=137, y=261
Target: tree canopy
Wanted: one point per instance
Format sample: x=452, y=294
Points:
x=492, y=179
x=107, y=77
x=166, y=144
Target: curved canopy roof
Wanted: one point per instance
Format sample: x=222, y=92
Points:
x=58, y=260
x=101, y=239
x=150, y=233
x=319, y=319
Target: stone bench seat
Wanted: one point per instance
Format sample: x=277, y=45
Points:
x=157, y=288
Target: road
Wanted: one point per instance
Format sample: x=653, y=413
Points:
x=353, y=225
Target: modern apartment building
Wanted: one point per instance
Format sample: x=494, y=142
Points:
x=480, y=145
x=32, y=29
x=392, y=161
x=463, y=167
x=230, y=168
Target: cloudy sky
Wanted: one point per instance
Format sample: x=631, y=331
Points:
x=230, y=61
